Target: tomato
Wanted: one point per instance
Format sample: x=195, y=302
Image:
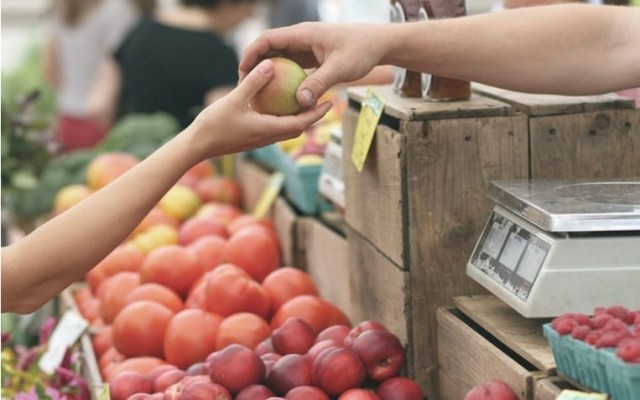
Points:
x=315, y=311
x=244, y=328
x=230, y=291
x=158, y=293
x=113, y=295
x=95, y=277
x=254, y=250
x=220, y=189
x=208, y=249
x=122, y=258
x=190, y=337
x=139, y=329
x=102, y=341
x=144, y=365
x=246, y=220
x=173, y=266
x=285, y=283
x=197, y=227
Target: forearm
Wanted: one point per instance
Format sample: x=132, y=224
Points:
x=66, y=247
x=567, y=49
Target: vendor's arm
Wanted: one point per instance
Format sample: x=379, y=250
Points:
x=46, y=261
x=564, y=49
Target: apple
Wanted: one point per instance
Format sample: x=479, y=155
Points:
x=400, y=388
x=306, y=393
x=166, y=379
x=290, y=371
x=294, y=336
x=358, y=394
x=381, y=353
x=336, y=370
x=491, y=390
x=335, y=332
x=278, y=96
x=321, y=346
x=254, y=392
x=360, y=328
x=128, y=383
x=236, y=367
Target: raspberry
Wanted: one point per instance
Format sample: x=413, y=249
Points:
x=580, y=332
x=580, y=318
x=615, y=325
x=600, y=320
x=629, y=350
x=593, y=337
x=563, y=325
x=618, y=312
x=608, y=339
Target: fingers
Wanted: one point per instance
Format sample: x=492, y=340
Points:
x=316, y=84
x=255, y=80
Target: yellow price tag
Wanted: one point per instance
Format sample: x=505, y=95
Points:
x=104, y=393
x=370, y=113
x=269, y=194
x=575, y=395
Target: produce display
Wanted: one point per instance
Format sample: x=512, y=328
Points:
x=600, y=351
x=196, y=304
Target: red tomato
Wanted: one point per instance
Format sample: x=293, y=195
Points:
x=144, y=365
x=190, y=337
x=230, y=291
x=254, y=250
x=209, y=250
x=243, y=328
x=139, y=329
x=315, y=311
x=285, y=283
x=114, y=293
x=173, y=266
x=158, y=293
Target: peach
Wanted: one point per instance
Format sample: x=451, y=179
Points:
x=278, y=96
x=288, y=372
x=235, y=367
x=336, y=370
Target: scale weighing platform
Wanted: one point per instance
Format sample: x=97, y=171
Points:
x=552, y=247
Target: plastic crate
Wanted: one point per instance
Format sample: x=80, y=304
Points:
x=269, y=155
x=598, y=369
x=301, y=185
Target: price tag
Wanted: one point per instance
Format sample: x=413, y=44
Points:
x=66, y=333
x=104, y=393
x=575, y=395
x=370, y=113
x=269, y=194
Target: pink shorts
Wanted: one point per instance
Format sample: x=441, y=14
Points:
x=77, y=133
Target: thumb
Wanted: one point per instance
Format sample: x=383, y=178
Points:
x=315, y=85
x=255, y=79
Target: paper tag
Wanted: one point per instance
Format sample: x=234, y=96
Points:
x=269, y=194
x=575, y=395
x=66, y=333
x=104, y=393
x=370, y=113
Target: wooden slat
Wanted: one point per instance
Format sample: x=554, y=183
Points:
x=604, y=144
x=542, y=104
x=550, y=388
x=449, y=166
x=379, y=288
x=285, y=221
x=467, y=359
x=522, y=335
x=410, y=109
x=375, y=197
x=326, y=254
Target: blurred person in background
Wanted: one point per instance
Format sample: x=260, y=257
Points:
x=81, y=33
x=291, y=12
x=175, y=61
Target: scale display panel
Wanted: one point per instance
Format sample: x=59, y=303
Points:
x=551, y=247
x=510, y=255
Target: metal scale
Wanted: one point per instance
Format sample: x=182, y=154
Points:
x=551, y=247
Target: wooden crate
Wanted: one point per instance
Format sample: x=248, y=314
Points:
x=325, y=258
x=483, y=339
x=421, y=197
x=578, y=137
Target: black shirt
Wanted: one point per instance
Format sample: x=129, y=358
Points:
x=170, y=69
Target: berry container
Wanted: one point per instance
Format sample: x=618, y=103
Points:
x=598, y=369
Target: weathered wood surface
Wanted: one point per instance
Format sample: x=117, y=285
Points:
x=522, y=335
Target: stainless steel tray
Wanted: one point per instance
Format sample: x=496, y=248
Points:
x=572, y=205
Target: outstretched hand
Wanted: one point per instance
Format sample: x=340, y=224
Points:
x=340, y=52
x=230, y=125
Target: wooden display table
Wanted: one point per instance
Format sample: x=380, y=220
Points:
x=418, y=207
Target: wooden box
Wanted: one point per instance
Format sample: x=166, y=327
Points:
x=484, y=339
x=325, y=258
x=421, y=202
